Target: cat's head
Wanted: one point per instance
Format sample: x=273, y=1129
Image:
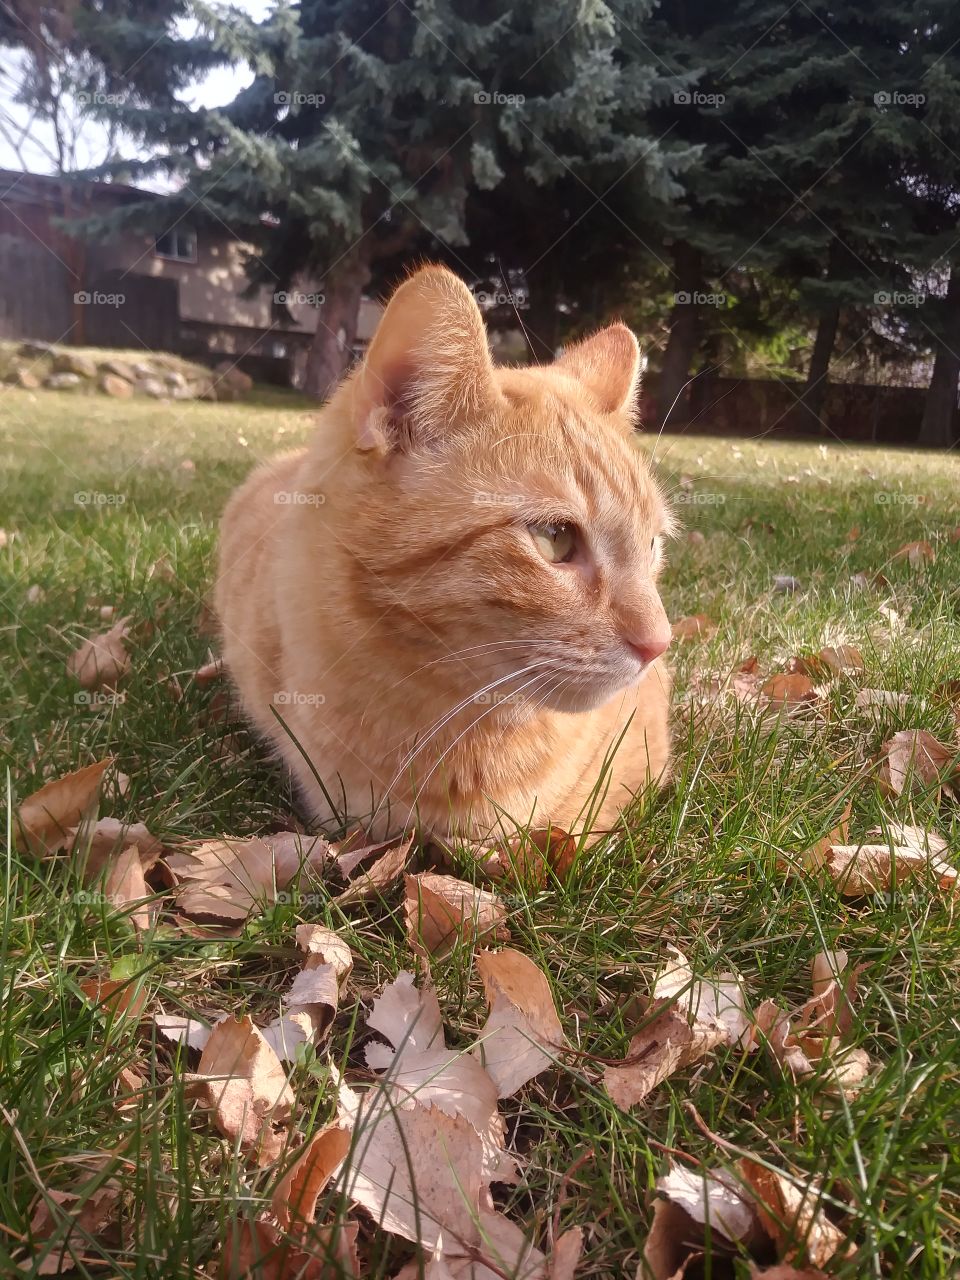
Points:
x=503, y=523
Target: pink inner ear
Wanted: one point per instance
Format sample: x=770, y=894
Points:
x=608, y=365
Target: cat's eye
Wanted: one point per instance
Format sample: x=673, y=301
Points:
x=555, y=542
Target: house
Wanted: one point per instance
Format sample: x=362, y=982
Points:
x=184, y=290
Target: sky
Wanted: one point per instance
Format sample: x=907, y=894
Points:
x=36, y=147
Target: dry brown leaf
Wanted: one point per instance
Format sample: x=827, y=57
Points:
x=295, y=1196
x=914, y=759
x=259, y=1250
x=102, y=659
x=420, y=1069
x=698, y=624
x=566, y=1254
x=46, y=819
x=418, y=1172
x=815, y=856
x=792, y=1216
x=877, y=868
x=99, y=844
x=841, y=659
x=441, y=911
x=227, y=879
x=528, y=858
x=125, y=885
x=121, y=997
x=242, y=1081
x=311, y=1003
x=686, y=1201
x=182, y=1029
x=789, y=689
x=522, y=1034
x=379, y=876
x=62, y=1221
x=915, y=553
x=689, y=1018
x=886, y=698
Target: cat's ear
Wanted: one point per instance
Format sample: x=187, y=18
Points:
x=608, y=365
x=428, y=369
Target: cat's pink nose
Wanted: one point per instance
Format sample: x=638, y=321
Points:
x=648, y=648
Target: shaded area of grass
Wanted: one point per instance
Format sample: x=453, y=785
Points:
x=697, y=866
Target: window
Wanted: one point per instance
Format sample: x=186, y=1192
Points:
x=180, y=245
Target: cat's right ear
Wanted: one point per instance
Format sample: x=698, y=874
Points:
x=428, y=369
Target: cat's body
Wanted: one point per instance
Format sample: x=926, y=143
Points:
x=395, y=592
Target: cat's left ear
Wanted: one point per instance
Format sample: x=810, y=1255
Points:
x=428, y=370
x=608, y=365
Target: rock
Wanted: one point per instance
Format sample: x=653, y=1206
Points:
x=117, y=369
x=62, y=381
x=36, y=350
x=182, y=392
x=113, y=385
x=143, y=370
x=174, y=379
x=205, y=391
x=75, y=362
x=230, y=376
x=152, y=387
x=25, y=378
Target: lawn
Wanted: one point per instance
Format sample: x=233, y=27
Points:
x=116, y=504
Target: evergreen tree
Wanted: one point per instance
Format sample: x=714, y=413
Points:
x=371, y=127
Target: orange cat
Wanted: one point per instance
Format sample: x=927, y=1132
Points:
x=449, y=598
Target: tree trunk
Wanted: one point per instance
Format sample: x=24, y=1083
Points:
x=940, y=404
x=330, y=351
x=684, y=340
x=809, y=412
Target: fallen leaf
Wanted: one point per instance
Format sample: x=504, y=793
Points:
x=877, y=868
x=418, y=1172
x=102, y=659
x=294, y=1200
x=97, y=845
x=312, y=1001
x=241, y=1080
x=528, y=858
x=259, y=1250
x=789, y=690
x=228, y=878
x=792, y=1216
x=687, y=1201
x=786, y=1271
x=181, y=1029
x=420, y=1069
x=121, y=997
x=47, y=817
x=441, y=911
x=841, y=659
x=688, y=1018
x=815, y=856
x=914, y=759
x=62, y=1222
x=124, y=886
x=698, y=624
x=915, y=553
x=522, y=1034
x=566, y=1254
x=784, y=584
x=379, y=876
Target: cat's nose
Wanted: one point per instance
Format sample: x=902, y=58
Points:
x=649, y=647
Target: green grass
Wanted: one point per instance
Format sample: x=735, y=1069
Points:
x=696, y=867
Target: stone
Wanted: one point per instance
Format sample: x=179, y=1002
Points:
x=113, y=385
x=65, y=381
x=36, y=350
x=206, y=391
x=143, y=370
x=117, y=369
x=230, y=376
x=174, y=379
x=25, y=378
x=75, y=362
x=182, y=392
x=152, y=387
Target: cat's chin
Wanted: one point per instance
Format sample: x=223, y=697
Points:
x=572, y=698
